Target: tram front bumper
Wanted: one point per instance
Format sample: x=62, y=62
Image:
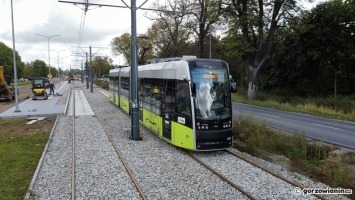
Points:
x=214, y=140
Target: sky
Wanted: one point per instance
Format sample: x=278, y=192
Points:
x=50, y=17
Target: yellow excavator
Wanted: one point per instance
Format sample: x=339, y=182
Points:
x=39, y=86
x=6, y=91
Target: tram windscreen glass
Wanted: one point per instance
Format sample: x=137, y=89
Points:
x=212, y=90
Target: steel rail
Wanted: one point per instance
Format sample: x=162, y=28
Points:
x=119, y=154
x=270, y=172
x=223, y=178
x=73, y=148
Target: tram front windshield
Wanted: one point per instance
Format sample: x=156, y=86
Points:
x=211, y=82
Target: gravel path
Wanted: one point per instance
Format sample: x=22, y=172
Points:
x=163, y=171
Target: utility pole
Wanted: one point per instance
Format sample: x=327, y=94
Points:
x=86, y=71
x=90, y=65
x=82, y=72
x=91, y=84
x=134, y=75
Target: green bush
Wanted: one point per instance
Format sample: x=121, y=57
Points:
x=314, y=159
x=102, y=84
x=338, y=103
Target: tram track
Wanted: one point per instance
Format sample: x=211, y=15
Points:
x=255, y=164
x=235, y=185
x=270, y=172
x=225, y=178
x=222, y=177
x=121, y=157
x=116, y=149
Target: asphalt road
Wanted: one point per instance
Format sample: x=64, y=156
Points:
x=341, y=133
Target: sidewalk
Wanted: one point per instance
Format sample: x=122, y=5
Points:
x=53, y=106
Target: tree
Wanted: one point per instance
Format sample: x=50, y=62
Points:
x=54, y=72
x=331, y=24
x=28, y=70
x=122, y=45
x=168, y=39
x=254, y=23
x=207, y=13
x=168, y=34
x=101, y=66
x=39, y=68
x=7, y=61
x=315, y=52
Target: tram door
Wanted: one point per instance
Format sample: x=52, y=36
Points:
x=168, y=106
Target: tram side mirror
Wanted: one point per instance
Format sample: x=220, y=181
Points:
x=233, y=86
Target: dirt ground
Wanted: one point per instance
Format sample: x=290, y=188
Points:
x=21, y=128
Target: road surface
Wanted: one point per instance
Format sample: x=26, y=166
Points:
x=337, y=132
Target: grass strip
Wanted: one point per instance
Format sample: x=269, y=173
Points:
x=19, y=155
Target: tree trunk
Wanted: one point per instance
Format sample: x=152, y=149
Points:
x=253, y=86
x=252, y=90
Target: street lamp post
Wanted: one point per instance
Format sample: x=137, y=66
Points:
x=14, y=57
x=58, y=51
x=49, y=55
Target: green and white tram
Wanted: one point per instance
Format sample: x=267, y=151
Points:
x=185, y=101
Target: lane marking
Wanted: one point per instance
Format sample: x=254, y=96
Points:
x=269, y=115
x=325, y=126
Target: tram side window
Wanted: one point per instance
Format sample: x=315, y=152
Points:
x=124, y=87
x=150, y=91
x=113, y=86
x=183, y=98
x=144, y=92
x=169, y=96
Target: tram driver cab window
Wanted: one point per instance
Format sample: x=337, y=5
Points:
x=183, y=97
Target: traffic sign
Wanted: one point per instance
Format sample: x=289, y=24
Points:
x=49, y=76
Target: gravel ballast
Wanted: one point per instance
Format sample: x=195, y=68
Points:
x=162, y=171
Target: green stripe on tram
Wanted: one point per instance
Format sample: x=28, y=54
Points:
x=153, y=122
x=124, y=104
x=182, y=136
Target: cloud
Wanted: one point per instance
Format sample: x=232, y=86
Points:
x=49, y=17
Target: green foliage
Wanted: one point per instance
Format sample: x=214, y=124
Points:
x=231, y=53
x=39, y=68
x=314, y=54
x=122, y=45
x=6, y=60
x=101, y=84
x=344, y=104
x=101, y=66
x=253, y=27
x=168, y=38
x=314, y=159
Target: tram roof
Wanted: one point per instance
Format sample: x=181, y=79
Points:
x=169, y=68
